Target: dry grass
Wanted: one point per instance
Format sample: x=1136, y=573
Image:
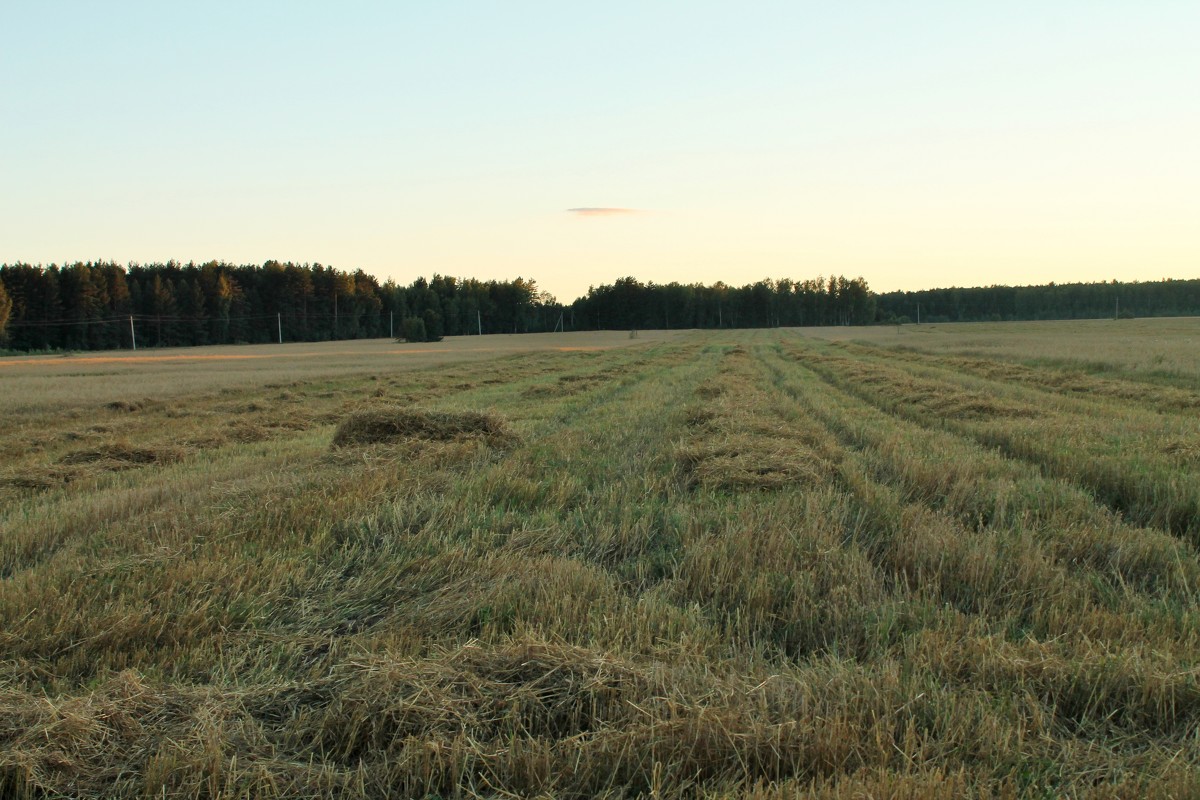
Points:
x=94, y=379
x=121, y=455
x=738, y=564
x=748, y=462
x=380, y=426
x=1154, y=349
x=128, y=406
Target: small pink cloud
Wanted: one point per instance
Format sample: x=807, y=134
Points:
x=601, y=212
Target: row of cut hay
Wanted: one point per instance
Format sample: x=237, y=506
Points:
x=982, y=489
x=529, y=716
x=735, y=442
x=779, y=576
x=119, y=455
x=1118, y=454
x=736, y=462
x=112, y=457
x=1065, y=381
x=385, y=425
x=1007, y=571
x=946, y=401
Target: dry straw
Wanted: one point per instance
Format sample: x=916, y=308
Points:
x=381, y=426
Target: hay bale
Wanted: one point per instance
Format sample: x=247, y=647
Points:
x=385, y=425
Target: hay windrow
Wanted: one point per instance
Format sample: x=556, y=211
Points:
x=128, y=406
x=542, y=390
x=737, y=443
x=246, y=432
x=39, y=478
x=382, y=426
x=926, y=395
x=748, y=462
x=120, y=455
x=565, y=386
x=972, y=405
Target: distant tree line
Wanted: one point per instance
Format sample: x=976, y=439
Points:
x=628, y=303
x=1165, y=298
x=94, y=305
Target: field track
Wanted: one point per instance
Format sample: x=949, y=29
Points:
x=737, y=563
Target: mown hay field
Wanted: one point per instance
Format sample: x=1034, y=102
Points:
x=709, y=564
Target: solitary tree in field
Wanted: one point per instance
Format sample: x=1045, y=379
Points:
x=5, y=310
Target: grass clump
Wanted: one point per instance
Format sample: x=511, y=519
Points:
x=382, y=426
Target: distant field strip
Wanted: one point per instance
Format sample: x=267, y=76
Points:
x=722, y=564
x=177, y=357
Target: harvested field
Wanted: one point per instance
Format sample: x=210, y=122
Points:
x=723, y=564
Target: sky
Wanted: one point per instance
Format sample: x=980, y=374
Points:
x=916, y=145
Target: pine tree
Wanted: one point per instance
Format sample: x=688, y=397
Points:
x=5, y=310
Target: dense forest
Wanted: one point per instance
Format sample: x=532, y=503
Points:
x=628, y=303
x=1165, y=298
x=103, y=305
x=100, y=305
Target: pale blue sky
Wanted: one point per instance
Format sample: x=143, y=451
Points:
x=917, y=145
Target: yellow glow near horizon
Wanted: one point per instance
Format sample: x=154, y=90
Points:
x=930, y=145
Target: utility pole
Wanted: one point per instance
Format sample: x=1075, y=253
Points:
x=1117, y=310
x=279, y=323
x=132, y=334
x=335, y=329
x=479, y=321
x=391, y=324
x=918, y=313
